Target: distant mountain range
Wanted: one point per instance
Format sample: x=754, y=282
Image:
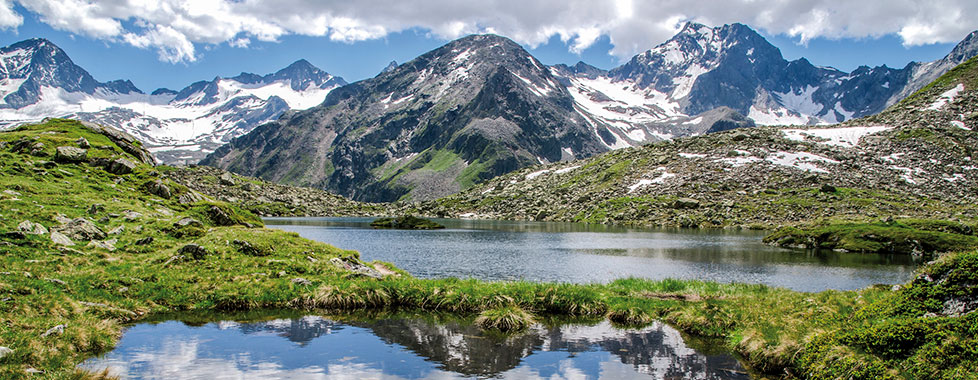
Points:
x=482, y=106
x=476, y=108
x=38, y=80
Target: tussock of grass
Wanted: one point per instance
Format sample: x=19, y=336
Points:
x=505, y=319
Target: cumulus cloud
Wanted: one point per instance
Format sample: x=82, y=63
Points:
x=176, y=28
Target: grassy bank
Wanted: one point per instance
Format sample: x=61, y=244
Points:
x=61, y=304
x=906, y=236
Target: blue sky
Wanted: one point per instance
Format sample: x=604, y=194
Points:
x=109, y=57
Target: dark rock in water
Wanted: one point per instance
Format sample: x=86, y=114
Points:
x=144, y=241
x=194, y=250
x=70, y=154
x=158, y=188
x=120, y=166
x=407, y=222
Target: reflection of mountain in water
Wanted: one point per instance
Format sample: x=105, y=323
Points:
x=397, y=347
x=299, y=330
x=658, y=350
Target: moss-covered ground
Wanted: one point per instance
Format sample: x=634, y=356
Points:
x=926, y=329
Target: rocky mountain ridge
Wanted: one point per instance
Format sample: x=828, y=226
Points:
x=916, y=159
x=429, y=128
x=39, y=80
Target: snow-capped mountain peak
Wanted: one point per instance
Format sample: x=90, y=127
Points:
x=38, y=80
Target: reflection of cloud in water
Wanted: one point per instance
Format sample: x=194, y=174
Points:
x=404, y=348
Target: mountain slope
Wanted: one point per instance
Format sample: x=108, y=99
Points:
x=918, y=158
x=661, y=93
x=39, y=80
x=475, y=108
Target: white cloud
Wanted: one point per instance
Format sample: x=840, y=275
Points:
x=176, y=27
x=8, y=18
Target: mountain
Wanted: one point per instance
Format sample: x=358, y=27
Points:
x=468, y=111
x=39, y=80
x=29, y=66
x=482, y=106
x=664, y=91
x=916, y=159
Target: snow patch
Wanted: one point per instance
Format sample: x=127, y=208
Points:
x=661, y=178
x=801, y=160
x=908, y=173
x=954, y=178
x=842, y=137
x=947, y=97
x=565, y=170
x=960, y=124
x=537, y=174
x=691, y=155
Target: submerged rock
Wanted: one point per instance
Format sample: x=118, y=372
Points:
x=407, y=222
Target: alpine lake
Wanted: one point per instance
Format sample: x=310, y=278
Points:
x=291, y=345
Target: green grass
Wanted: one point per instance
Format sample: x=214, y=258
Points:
x=871, y=333
x=910, y=236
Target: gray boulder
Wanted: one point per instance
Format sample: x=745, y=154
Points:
x=82, y=229
x=82, y=143
x=226, y=179
x=120, y=166
x=60, y=239
x=32, y=228
x=70, y=154
x=160, y=189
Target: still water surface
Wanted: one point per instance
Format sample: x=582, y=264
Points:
x=580, y=253
x=313, y=347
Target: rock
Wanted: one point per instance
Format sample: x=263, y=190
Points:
x=144, y=241
x=82, y=143
x=193, y=250
x=164, y=211
x=826, y=188
x=356, y=267
x=127, y=142
x=70, y=154
x=191, y=222
x=95, y=209
x=189, y=197
x=117, y=230
x=32, y=228
x=56, y=330
x=220, y=217
x=226, y=179
x=173, y=259
x=249, y=249
x=685, y=203
x=82, y=229
x=130, y=215
x=61, y=219
x=60, y=239
x=158, y=188
x=108, y=245
x=247, y=186
x=120, y=166
x=55, y=281
x=4, y=351
x=301, y=281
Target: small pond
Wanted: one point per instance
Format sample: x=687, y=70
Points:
x=406, y=347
